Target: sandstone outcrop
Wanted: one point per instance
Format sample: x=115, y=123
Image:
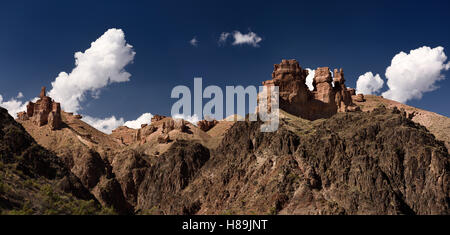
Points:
x=358, y=98
x=329, y=96
x=161, y=124
x=343, y=97
x=44, y=111
x=157, y=117
x=352, y=91
x=22, y=116
x=126, y=135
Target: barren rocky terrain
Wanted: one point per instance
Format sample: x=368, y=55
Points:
x=34, y=180
x=364, y=155
x=437, y=124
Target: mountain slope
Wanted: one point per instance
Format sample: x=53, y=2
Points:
x=352, y=163
x=34, y=180
x=437, y=124
x=377, y=162
x=82, y=148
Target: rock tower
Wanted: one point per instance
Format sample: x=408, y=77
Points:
x=44, y=111
x=330, y=95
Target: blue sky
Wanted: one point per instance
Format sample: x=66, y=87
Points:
x=38, y=41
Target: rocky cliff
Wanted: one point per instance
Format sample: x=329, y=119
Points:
x=347, y=164
x=329, y=96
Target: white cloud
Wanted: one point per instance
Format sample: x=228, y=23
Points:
x=310, y=78
x=192, y=119
x=105, y=125
x=194, y=42
x=368, y=84
x=143, y=119
x=100, y=65
x=223, y=37
x=411, y=75
x=249, y=38
x=13, y=105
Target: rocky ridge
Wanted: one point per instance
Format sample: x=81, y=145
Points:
x=325, y=158
x=327, y=166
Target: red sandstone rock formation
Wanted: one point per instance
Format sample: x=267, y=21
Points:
x=126, y=135
x=352, y=91
x=323, y=102
x=54, y=117
x=44, y=111
x=161, y=124
x=157, y=118
x=170, y=124
x=343, y=97
x=291, y=77
x=322, y=85
x=22, y=116
x=205, y=125
x=359, y=98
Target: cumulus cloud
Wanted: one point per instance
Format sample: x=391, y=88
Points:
x=145, y=118
x=368, y=84
x=19, y=96
x=411, y=75
x=105, y=125
x=194, y=42
x=14, y=105
x=192, y=119
x=249, y=38
x=100, y=65
x=310, y=78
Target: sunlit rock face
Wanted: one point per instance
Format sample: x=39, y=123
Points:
x=330, y=95
x=44, y=111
